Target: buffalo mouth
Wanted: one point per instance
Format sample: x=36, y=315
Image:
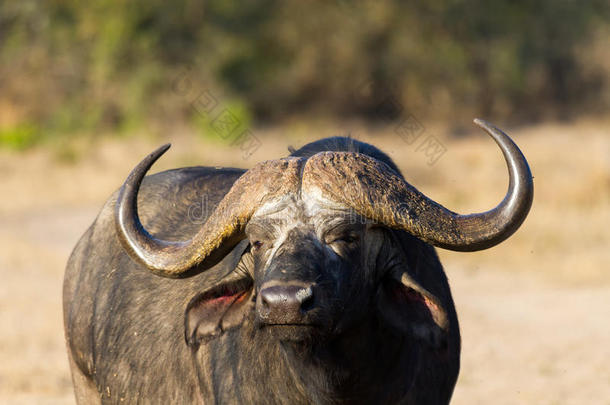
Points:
x=293, y=332
x=297, y=328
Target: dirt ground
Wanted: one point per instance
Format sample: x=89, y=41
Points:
x=534, y=311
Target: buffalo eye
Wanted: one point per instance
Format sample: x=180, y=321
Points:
x=349, y=239
x=257, y=245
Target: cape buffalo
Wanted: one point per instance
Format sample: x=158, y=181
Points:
x=310, y=279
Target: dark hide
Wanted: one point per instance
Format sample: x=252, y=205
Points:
x=134, y=337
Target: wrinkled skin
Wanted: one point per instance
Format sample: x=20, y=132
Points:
x=379, y=325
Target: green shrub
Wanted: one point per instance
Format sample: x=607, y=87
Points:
x=19, y=137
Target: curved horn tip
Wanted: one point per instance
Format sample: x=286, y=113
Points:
x=161, y=150
x=486, y=125
x=140, y=170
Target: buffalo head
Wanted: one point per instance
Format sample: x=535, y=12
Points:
x=321, y=245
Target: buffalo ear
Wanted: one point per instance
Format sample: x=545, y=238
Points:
x=214, y=311
x=412, y=310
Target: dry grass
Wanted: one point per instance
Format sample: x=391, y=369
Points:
x=534, y=310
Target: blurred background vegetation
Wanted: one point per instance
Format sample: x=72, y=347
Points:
x=69, y=68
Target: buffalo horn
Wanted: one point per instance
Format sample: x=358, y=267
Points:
x=223, y=229
x=375, y=191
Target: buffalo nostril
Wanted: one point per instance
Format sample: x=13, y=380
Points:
x=265, y=302
x=305, y=298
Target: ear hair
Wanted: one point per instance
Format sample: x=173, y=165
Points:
x=438, y=313
x=410, y=309
x=212, y=312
